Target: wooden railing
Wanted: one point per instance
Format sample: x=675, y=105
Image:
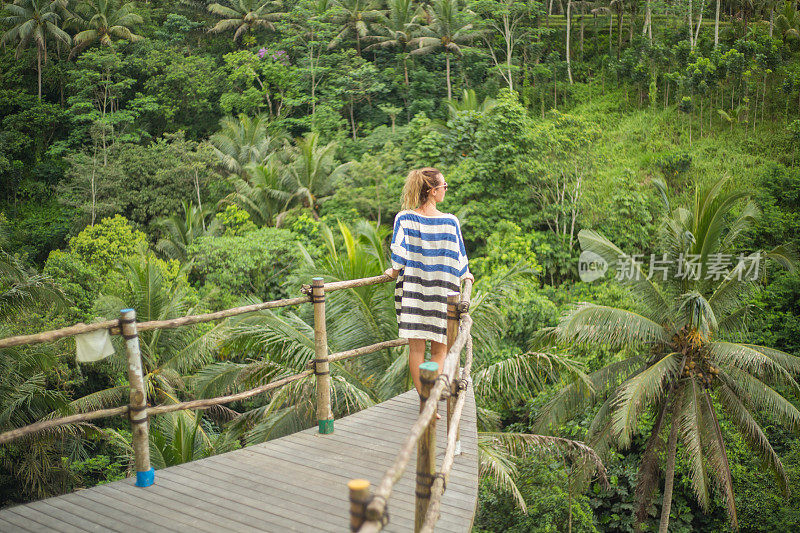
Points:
x=368, y=513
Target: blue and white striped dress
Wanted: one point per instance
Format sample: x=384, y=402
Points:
x=430, y=255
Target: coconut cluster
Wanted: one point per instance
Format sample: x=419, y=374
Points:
x=698, y=365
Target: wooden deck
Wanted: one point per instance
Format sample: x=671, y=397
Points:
x=296, y=483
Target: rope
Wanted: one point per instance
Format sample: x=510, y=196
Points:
x=384, y=517
x=444, y=378
x=441, y=476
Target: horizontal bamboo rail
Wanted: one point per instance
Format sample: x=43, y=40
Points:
x=157, y=410
x=220, y=400
x=56, y=334
x=377, y=507
x=364, y=350
x=350, y=283
x=113, y=325
x=62, y=421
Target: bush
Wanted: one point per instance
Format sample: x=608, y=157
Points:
x=257, y=263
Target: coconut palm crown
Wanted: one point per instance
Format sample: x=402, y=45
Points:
x=678, y=358
x=244, y=15
x=102, y=21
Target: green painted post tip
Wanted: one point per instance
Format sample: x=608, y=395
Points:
x=430, y=365
x=326, y=426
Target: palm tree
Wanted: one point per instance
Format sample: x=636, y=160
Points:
x=311, y=170
x=353, y=16
x=788, y=23
x=450, y=29
x=396, y=29
x=242, y=141
x=104, y=21
x=261, y=192
x=35, y=20
x=22, y=289
x=181, y=232
x=25, y=392
x=33, y=463
x=678, y=356
x=244, y=16
x=469, y=102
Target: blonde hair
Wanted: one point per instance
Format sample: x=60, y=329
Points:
x=419, y=183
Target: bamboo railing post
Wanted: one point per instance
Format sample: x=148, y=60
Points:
x=321, y=364
x=426, y=448
x=359, y=497
x=140, y=431
x=452, y=333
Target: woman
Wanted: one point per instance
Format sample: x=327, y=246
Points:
x=428, y=255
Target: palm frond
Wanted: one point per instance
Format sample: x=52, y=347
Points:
x=590, y=324
x=639, y=391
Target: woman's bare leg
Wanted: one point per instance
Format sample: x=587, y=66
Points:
x=438, y=353
x=416, y=356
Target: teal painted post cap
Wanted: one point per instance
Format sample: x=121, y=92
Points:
x=326, y=426
x=430, y=365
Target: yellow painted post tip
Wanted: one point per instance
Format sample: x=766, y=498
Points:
x=358, y=484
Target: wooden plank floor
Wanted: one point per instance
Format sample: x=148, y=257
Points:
x=296, y=483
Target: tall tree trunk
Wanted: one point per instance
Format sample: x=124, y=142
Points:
x=619, y=28
x=447, y=64
x=716, y=26
x=672, y=444
x=569, y=30
x=689, y=20
x=699, y=21
x=646, y=25
x=771, y=20
x=610, y=27
x=39, y=70
x=94, y=187
x=509, y=51
x=352, y=123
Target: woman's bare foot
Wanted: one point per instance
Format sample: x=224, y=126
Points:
x=438, y=416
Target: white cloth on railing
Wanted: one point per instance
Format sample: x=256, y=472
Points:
x=93, y=346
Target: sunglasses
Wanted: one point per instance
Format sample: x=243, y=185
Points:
x=445, y=187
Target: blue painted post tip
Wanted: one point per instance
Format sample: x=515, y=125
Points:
x=430, y=365
x=146, y=478
x=125, y=310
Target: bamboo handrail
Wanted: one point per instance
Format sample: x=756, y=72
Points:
x=350, y=283
x=220, y=400
x=437, y=489
x=377, y=506
x=64, y=420
x=226, y=313
x=364, y=350
x=54, y=335
x=157, y=410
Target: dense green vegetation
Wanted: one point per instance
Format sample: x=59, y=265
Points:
x=180, y=157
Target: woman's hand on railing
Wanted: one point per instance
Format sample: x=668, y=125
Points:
x=391, y=272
